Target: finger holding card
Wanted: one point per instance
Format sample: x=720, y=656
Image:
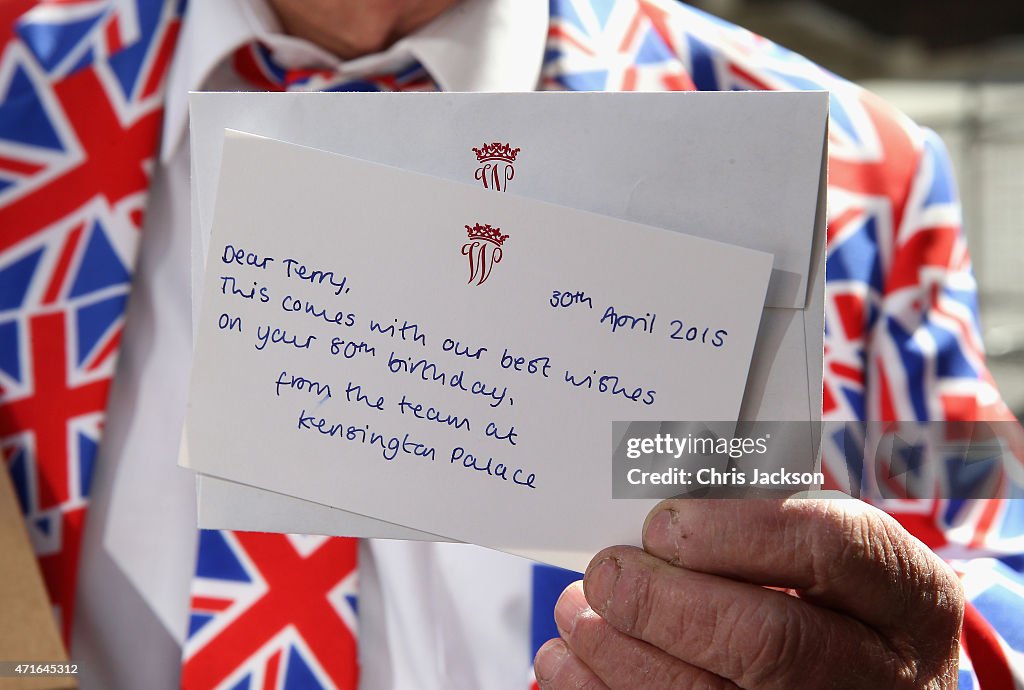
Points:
x=699, y=598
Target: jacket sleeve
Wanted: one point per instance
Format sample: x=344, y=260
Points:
x=926, y=362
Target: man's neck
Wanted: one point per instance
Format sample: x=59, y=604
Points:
x=350, y=28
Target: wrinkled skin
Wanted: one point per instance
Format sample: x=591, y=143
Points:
x=760, y=595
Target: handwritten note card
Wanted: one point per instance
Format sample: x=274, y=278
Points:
x=447, y=358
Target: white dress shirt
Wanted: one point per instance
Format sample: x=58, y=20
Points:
x=431, y=615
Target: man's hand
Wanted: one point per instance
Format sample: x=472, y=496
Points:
x=858, y=603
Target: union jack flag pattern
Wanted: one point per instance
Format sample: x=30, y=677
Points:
x=901, y=327
x=80, y=106
x=272, y=611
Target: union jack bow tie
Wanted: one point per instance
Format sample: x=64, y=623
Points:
x=256, y=64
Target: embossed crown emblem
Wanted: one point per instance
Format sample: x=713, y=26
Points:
x=486, y=232
x=496, y=151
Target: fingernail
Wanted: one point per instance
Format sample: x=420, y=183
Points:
x=549, y=659
x=600, y=582
x=568, y=608
x=659, y=539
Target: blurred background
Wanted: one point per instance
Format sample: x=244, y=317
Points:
x=954, y=66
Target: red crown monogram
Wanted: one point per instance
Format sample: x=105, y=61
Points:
x=496, y=151
x=486, y=232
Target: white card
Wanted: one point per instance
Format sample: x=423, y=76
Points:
x=400, y=299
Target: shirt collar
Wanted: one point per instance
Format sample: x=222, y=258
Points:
x=477, y=45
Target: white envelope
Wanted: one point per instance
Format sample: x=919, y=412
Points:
x=751, y=165
x=748, y=167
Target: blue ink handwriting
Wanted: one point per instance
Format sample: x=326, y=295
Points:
x=531, y=366
x=229, y=284
x=389, y=446
x=691, y=333
x=266, y=335
x=350, y=348
x=610, y=384
x=226, y=322
x=500, y=470
x=460, y=350
x=294, y=269
x=294, y=304
x=320, y=390
x=354, y=393
x=645, y=324
x=494, y=432
x=567, y=299
x=407, y=331
x=419, y=411
x=232, y=255
x=430, y=371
